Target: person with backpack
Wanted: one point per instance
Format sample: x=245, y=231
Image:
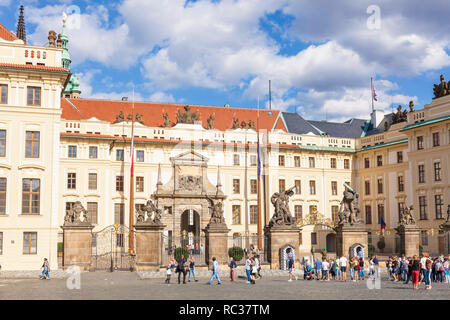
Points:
x=45, y=270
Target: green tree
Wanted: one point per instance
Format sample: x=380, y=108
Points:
x=181, y=251
x=237, y=253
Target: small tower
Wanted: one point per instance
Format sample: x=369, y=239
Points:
x=20, y=33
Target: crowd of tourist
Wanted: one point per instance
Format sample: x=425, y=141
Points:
x=406, y=269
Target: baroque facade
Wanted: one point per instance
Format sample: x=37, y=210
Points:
x=57, y=149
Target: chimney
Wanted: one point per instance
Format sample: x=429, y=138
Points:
x=59, y=41
x=52, y=39
x=376, y=117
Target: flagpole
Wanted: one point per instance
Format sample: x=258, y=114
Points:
x=371, y=91
x=131, y=220
x=259, y=230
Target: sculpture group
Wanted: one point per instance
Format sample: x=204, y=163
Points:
x=76, y=215
x=406, y=217
x=349, y=209
x=216, y=211
x=282, y=215
x=149, y=213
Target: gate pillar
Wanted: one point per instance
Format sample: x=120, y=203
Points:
x=149, y=246
x=347, y=236
x=409, y=239
x=77, y=245
x=278, y=237
x=216, y=243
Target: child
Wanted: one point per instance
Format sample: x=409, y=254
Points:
x=45, y=270
x=168, y=273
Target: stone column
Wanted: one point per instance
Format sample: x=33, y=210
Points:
x=77, y=245
x=149, y=246
x=279, y=237
x=216, y=243
x=446, y=228
x=409, y=239
x=347, y=236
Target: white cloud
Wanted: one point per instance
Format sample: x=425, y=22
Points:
x=5, y=3
x=162, y=97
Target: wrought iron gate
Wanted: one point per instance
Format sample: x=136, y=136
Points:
x=110, y=249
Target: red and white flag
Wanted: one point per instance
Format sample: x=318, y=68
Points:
x=374, y=94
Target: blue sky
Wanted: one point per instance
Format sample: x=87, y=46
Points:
x=319, y=54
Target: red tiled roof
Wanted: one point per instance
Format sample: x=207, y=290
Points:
x=34, y=67
x=107, y=110
x=6, y=34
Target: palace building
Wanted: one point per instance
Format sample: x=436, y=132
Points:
x=57, y=148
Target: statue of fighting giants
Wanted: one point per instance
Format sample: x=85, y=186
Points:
x=144, y=215
x=282, y=215
x=76, y=215
x=406, y=217
x=216, y=211
x=349, y=210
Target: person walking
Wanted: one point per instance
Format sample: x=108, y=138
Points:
x=215, y=271
x=446, y=266
x=355, y=268
x=192, y=269
x=439, y=271
x=318, y=269
x=254, y=271
x=325, y=269
x=45, y=270
x=361, y=269
x=248, y=264
x=168, y=273
x=291, y=267
x=427, y=275
x=233, y=267
x=343, y=266
x=415, y=270
x=181, y=269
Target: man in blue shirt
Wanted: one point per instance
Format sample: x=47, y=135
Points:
x=215, y=271
x=233, y=267
x=318, y=268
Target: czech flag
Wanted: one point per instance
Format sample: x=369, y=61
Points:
x=383, y=225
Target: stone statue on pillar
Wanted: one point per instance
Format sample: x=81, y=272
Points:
x=349, y=210
x=282, y=215
x=149, y=214
x=77, y=215
x=406, y=217
x=216, y=211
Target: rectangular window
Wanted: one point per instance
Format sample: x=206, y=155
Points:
x=1, y=243
x=437, y=171
x=34, y=96
x=31, y=194
x=438, y=206
x=312, y=187
x=298, y=210
x=281, y=185
x=253, y=160
x=380, y=186
x=368, y=210
x=334, y=188
x=236, y=214
x=236, y=186
x=236, y=160
x=2, y=143
x=312, y=209
x=346, y=164
x=420, y=143
x=401, y=184
x=379, y=161
x=139, y=184
x=367, y=187
x=32, y=144
x=139, y=155
x=72, y=151
x=436, y=142
x=29, y=242
x=313, y=238
x=298, y=187
x=281, y=161
x=424, y=237
x=333, y=163
x=401, y=209
x=423, y=208
x=69, y=206
x=380, y=209
x=253, y=186
x=119, y=155
x=92, y=184
x=253, y=214
x=2, y=196
x=312, y=163
x=92, y=210
x=399, y=156
x=366, y=163
x=71, y=180
x=421, y=173
x=119, y=213
x=4, y=94
x=93, y=154
x=119, y=183
x=335, y=214
x=297, y=162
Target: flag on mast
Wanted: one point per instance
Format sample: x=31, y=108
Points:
x=259, y=154
x=132, y=139
x=374, y=93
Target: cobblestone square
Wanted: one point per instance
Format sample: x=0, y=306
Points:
x=129, y=286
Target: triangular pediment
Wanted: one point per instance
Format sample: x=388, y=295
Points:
x=189, y=157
